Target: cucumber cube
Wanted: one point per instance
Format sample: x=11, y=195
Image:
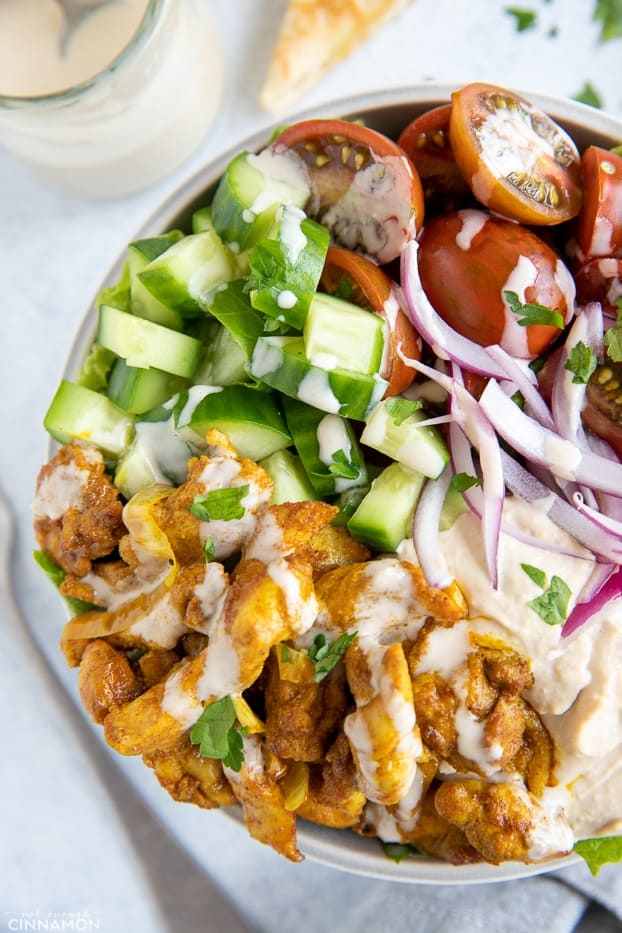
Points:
x=144, y=344
x=140, y=253
x=78, y=413
x=421, y=449
x=139, y=390
x=291, y=483
x=339, y=334
x=384, y=517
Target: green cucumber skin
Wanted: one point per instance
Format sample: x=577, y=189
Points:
x=231, y=306
x=291, y=483
x=139, y=390
x=144, y=344
x=304, y=422
x=279, y=363
x=384, y=516
x=250, y=417
x=236, y=192
x=78, y=413
x=223, y=362
x=421, y=449
x=202, y=220
x=281, y=277
x=143, y=303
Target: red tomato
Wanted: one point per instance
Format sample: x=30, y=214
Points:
x=426, y=142
x=363, y=186
x=599, y=230
x=356, y=279
x=515, y=158
x=469, y=259
x=600, y=280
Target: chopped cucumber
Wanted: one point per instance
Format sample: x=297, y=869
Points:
x=251, y=418
x=143, y=303
x=384, y=517
x=327, y=446
x=286, y=269
x=231, y=306
x=202, y=220
x=339, y=334
x=421, y=449
x=139, y=390
x=144, y=344
x=453, y=507
x=280, y=362
x=291, y=483
x=78, y=413
x=250, y=192
x=185, y=275
x=223, y=362
x=157, y=455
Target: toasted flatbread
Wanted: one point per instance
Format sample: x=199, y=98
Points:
x=314, y=36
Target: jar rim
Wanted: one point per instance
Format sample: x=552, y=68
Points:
x=140, y=39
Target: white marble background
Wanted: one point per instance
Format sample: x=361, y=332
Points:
x=64, y=845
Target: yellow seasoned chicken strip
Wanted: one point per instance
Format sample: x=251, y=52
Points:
x=266, y=604
x=383, y=734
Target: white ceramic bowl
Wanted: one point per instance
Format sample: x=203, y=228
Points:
x=389, y=112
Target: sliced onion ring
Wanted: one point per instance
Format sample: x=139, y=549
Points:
x=426, y=530
x=583, y=612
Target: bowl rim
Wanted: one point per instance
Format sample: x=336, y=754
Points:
x=334, y=848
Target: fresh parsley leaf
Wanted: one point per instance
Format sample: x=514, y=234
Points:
x=343, y=467
x=552, y=605
x=224, y=504
x=613, y=337
x=589, y=95
x=135, y=654
x=401, y=408
x=525, y=19
x=609, y=14
x=398, y=851
x=602, y=850
x=215, y=734
x=463, y=481
x=534, y=573
x=533, y=313
x=326, y=655
x=581, y=362
x=209, y=549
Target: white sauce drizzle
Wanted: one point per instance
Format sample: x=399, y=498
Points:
x=472, y=224
x=514, y=337
x=314, y=389
x=60, y=490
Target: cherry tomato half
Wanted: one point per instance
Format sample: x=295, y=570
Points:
x=599, y=229
x=600, y=280
x=516, y=159
x=363, y=186
x=426, y=143
x=356, y=279
x=469, y=259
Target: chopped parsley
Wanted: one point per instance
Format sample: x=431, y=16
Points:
x=589, y=95
x=326, y=655
x=602, y=850
x=343, y=467
x=609, y=14
x=209, y=549
x=463, y=481
x=613, y=336
x=401, y=408
x=552, y=604
x=216, y=735
x=525, y=19
x=223, y=504
x=533, y=313
x=398, y=851
x=581, y=363
x=534, y=573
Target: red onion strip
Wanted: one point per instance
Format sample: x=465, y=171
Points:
x=542, y=446
x=446, y=342
x=520, y=376
x=601, y=521
x=583, y=612
x=426, y=530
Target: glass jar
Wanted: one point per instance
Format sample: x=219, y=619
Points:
x=132, y=122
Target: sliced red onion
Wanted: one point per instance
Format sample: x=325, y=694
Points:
x=426, y=530
x=443, y=380
x=538, y=444
x=609, y=505
x=583, y=612
x=524, y=484
x=446, y=342
x=604, y=522
x=520, y=375
x=482, y=435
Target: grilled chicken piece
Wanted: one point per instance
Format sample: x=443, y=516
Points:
x=188, y=777
x=333, y=797
x=383, y=736
x=77, y=510
x=106, y=680
x=301, y=714
x=263, y=804
x=438, y=836
x=503, y=821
